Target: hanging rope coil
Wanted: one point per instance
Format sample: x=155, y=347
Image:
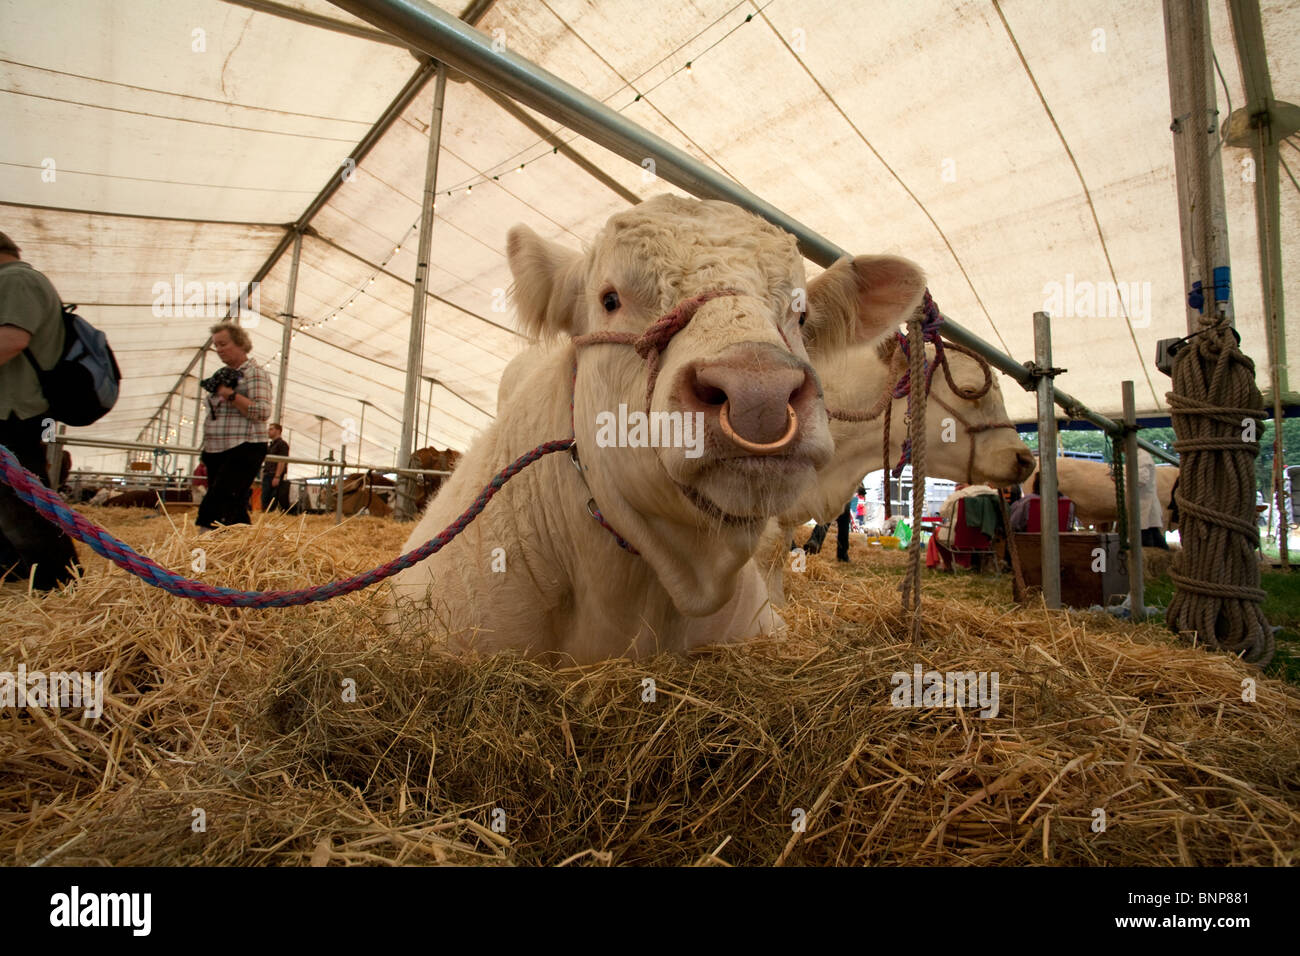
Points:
x=1217, y=410
x=907, y=370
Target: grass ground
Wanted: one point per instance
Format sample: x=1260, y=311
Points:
x=1281, y=607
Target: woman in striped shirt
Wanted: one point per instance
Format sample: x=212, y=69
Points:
x=234, y=433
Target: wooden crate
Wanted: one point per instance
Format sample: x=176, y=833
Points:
x=1081, y=586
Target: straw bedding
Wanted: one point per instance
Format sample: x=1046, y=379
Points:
x=242, y=715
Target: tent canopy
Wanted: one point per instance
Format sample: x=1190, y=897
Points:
x=1021, y=153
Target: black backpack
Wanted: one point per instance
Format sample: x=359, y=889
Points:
x=83, y=384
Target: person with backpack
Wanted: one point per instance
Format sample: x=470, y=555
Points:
x=234, y=433
x=32, y=340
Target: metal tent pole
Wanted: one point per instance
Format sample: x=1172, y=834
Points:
x=286, y=318
x=415, y=350
x=198, y=409
x=1201, y=210
x=1133, y=505
x=1261, y=125
x=361, y=454
x=423, y=26
x=338, y=488
x=1051, y=533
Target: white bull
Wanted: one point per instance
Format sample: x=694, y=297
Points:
x=536, y=572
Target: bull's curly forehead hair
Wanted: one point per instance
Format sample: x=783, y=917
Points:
x=676, y=246
x=7, y=246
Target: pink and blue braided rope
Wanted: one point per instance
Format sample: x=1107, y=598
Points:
x=51, y=507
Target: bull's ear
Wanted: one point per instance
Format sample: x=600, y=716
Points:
x=548, y=283
x=859, y=300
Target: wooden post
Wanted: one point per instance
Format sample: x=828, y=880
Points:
x=1197, y=163
x=1133, y=505
x=1051, y=536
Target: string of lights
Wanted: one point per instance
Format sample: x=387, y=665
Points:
x=505, y=167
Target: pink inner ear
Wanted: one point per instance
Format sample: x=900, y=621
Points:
x=889, y=288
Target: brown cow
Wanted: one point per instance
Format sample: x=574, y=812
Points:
x=431, y=459
x=359, y=493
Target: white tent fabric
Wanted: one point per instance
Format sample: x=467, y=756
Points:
x=1004, y=148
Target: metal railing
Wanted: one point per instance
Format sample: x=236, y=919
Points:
x=323, y=463
x=143, y=479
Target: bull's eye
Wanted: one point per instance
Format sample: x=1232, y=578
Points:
x=610, y=301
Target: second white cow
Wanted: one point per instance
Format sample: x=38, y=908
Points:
x=965, y=441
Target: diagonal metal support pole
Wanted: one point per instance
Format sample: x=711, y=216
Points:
x=405, y=510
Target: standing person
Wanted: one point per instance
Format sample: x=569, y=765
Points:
x=275, y=487
x=842, y=523
x=31, y=318
x=234, y=440
x=1151, y=513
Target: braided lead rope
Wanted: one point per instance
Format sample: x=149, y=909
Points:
x=50, y=506
x=931, y=322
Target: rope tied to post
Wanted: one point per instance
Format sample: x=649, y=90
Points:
x=931, y=321
x=1121, y=495
x=914, y=447
x=1217, y=409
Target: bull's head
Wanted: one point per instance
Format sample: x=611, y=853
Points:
x=976, y=453
x=739, y=368
x=967, y=433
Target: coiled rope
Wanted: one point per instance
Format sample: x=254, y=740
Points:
x=1215, y=404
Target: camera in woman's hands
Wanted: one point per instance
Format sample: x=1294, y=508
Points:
x=230, y=377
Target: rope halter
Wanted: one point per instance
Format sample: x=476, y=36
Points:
x=903, y=389
x=650, y=346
